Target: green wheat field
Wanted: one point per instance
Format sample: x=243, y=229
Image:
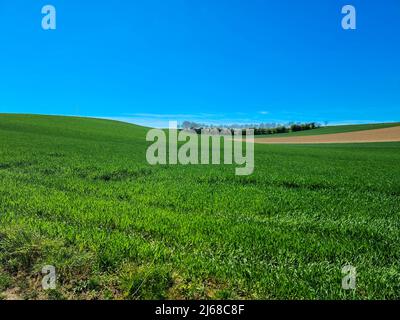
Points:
x=78, y=194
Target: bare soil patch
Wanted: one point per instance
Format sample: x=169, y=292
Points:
x=375, y=135
x=12, y=294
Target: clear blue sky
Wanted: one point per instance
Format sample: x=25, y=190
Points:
x=202, y=60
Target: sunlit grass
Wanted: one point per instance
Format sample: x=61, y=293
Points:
x=78, y=194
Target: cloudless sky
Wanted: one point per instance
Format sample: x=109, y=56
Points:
x=202, y=60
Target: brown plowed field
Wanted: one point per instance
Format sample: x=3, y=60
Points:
x=375, y=135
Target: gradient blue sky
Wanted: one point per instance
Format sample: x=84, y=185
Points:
x=212, y=61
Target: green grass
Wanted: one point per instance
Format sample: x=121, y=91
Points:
x=78, y=194
x=332, y=129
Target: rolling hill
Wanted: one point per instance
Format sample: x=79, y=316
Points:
x=78, y=194
x=332, y=130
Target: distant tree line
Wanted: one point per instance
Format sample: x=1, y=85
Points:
x=259, y=129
